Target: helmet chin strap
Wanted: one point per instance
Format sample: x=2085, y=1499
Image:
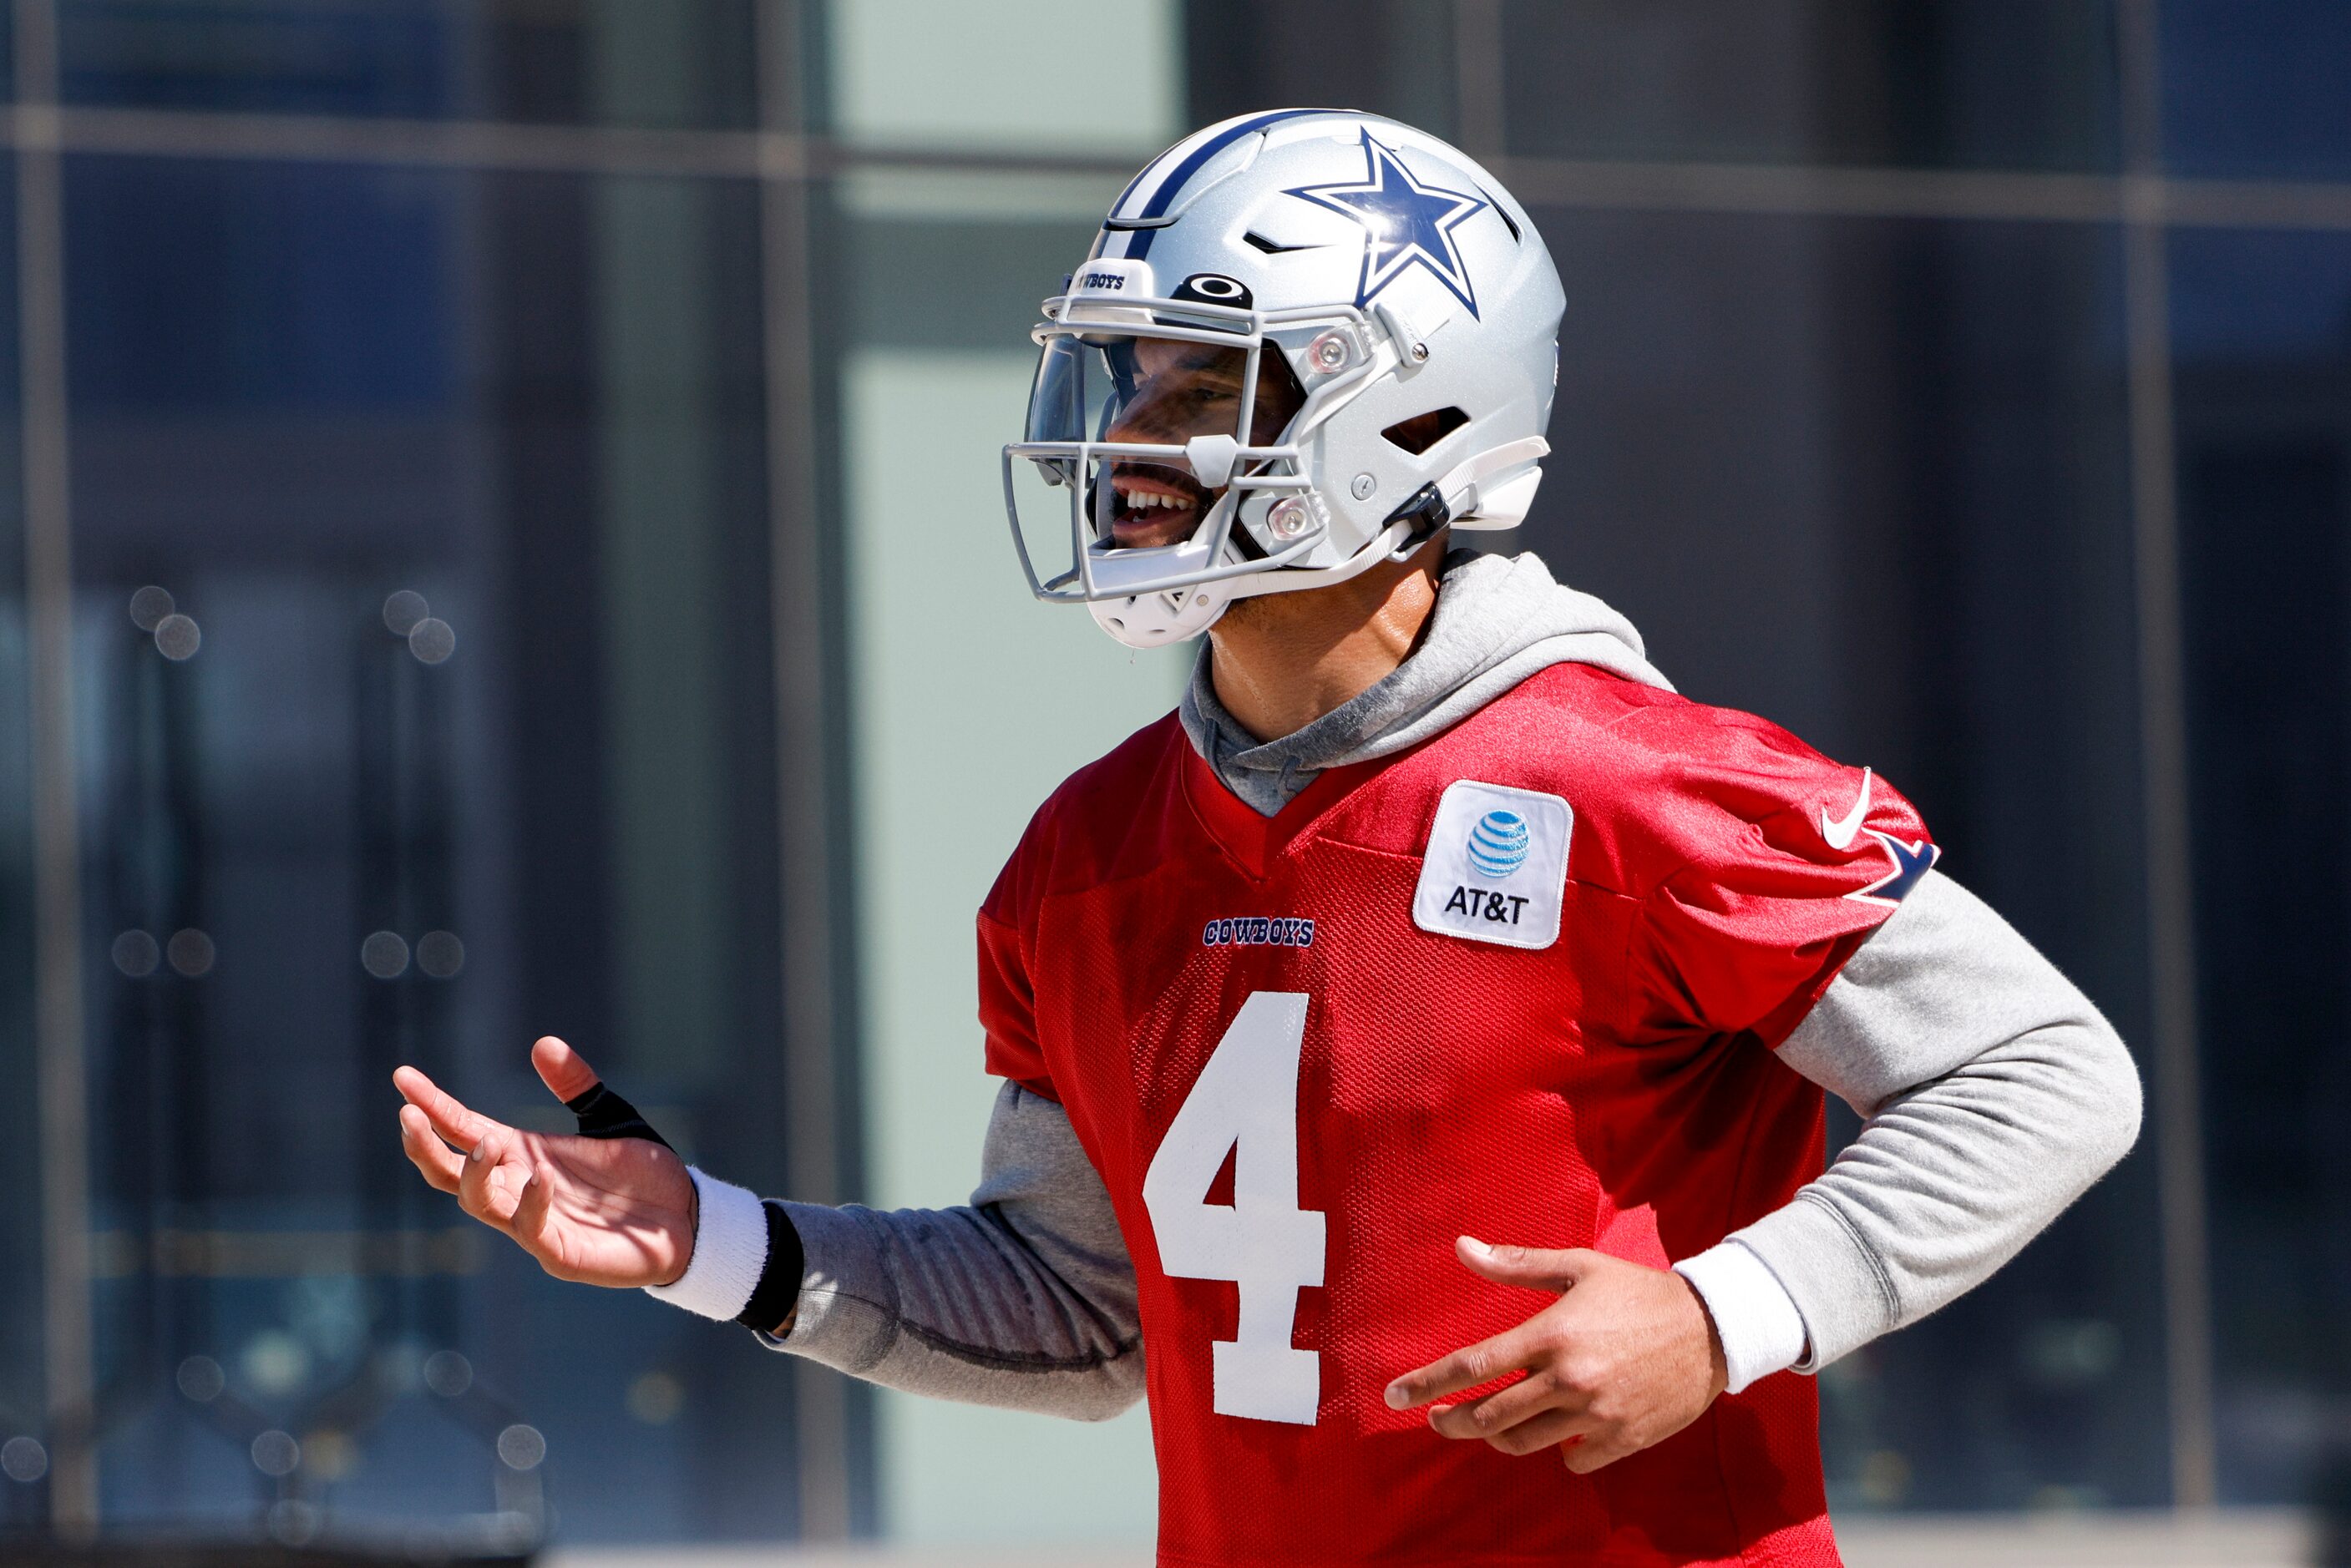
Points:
x=1156, y=620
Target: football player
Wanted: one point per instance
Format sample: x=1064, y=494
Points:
x=1418, y=1040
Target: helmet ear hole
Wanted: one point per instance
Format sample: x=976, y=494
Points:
x=1419, y=434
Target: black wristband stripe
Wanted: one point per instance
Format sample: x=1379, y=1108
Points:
x=777, y=1293
x=603, y=1114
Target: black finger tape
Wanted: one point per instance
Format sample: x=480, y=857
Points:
x=603, y=1114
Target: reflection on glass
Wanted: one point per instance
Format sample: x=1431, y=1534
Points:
x=403, y=610
x=2257, y=88
x=678, y=63
x=2263, y=398
x=136, y=954
x=1868, y=478
x=190, y=953
x=942, y=73
x=1997, y=84
x=149, y=606
x=457, y=482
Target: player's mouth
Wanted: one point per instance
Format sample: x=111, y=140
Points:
x=1155, y=506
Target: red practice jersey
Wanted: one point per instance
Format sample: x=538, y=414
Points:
x=1522, y=982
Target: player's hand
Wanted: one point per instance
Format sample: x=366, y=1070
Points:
x=1626, y=1358
x=615, y=1211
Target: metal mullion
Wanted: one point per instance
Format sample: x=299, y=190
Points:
x=775, y=152
x=58, y=1028
x=1480, y=124
x=2163, y=747
x=1815, y=190
x=453, y=143
x=812, y=838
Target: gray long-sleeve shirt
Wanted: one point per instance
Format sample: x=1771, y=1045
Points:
x=1992, y=1091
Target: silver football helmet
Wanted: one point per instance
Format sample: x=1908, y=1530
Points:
x=1413, y=314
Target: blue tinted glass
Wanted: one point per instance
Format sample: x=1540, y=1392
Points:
x=462, y=734
x=1868, y=479
x=685, y=63
x=2263, y=392
x=20, y=1142
x=2257, y=88
x=2003, y=84
x=309, y=288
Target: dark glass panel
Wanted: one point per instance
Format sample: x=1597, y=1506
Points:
x=533, y=403
x=2257, y=88
x=1004, y=267
x=2263, y=395
x=1383, y=56
x=22, y=1394
x=681, y=63
x=1868, y=478
x=1996, y=84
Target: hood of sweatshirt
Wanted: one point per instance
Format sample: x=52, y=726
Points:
x=1498, y=619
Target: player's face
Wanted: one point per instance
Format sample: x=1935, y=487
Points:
x=1179, y=390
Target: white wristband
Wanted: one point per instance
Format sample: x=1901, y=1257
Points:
x=1762, y=1331
x=730, y=1248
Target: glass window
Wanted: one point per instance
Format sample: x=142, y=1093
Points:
x=1090, y=77
x=22, y=1394
x=2263, y=395
x=2257, y=88
x=1868, y=479
x=424, y=706
x=1999, y=84
x=680, y=63
x=1385, y=57
x=956, y=672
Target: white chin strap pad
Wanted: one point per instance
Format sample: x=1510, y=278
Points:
x=1154, y=620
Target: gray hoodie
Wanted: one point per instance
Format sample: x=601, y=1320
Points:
x=1994, y=1094
x=1498, y=620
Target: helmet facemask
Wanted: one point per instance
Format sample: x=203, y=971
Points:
x=1171, y=430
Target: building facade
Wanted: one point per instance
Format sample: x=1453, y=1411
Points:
x=501, y=535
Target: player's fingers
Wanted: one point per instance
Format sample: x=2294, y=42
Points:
x=449, y=1116
x=1465, y=1369
x=533, y=1208
x=1539, y=1391
x=1548, y=1430
x=1593, y=1453
x=1536, y=1268
x=491, y=1175
x=565, y=1071
x=434, y=1159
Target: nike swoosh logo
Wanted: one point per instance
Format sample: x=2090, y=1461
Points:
x=1840, y=833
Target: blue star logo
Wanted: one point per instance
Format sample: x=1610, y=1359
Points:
x=1911, y=862
x=1405, y=223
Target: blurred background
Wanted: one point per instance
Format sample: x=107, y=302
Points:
x=501, y=534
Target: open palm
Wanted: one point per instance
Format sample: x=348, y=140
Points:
x=603, y=1211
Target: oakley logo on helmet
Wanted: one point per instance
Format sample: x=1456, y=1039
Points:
x=1213, y=288
x=1405, y=223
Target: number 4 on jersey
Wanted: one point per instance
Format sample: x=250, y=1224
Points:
x=1244, y=1102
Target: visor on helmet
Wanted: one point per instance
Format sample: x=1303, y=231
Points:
x=1156, y=443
